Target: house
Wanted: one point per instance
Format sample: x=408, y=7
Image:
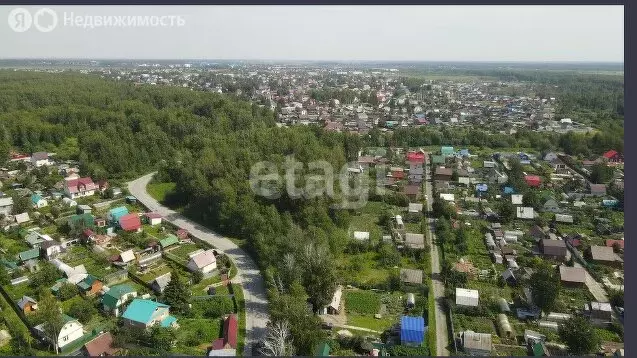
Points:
x=153, y=218
x=411, y=276
x=516, y=199
x=509, y=277
x=77, y=188
x=523, y=212
x=90, y=286
x=146, y=313
x=100, y=346
x=86, y=221
x=228, y=342
x=488, y=164
x=447, y=197
x=597, y=189
x=537, y=233
x=71, y=331
x=159, y=283
x=555, y=249
x=494, y=176
x=465, y=297
x=83, y=209
x=335, y=304
x=412, y=191
x=115, y=214
x=182, y=234
x=127, y=256
x=415, y=241
x=572, y=276
x=130, y=222
x=22, y=218
x=29, y=255
x=169, y=240
x=204, y=262
x=39, y=159
x=361, y=235
x=131, y=199
x=533, y=181
x=563, y=218
x=599, y=312
x=550, y=156
x=50, y=249
x=38, y=201
x=415, y=208
x=604, y=255
x=366, y=161
x=27, y=304
x=6, y=206
x=116, y=296
x=447, y=151
x=443, y=174
x=412, y=331
x=551, y=205
x=476, y=344
x=613, y=156
x=73, y=274
x=438, y=159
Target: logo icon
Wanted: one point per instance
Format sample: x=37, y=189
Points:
x=45, y=20
x=20, y=20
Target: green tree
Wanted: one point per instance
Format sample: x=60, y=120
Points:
x=319, y=275
x=50, y=315
x=162, y=338
x=177, y=294
x=579, y=335
x=197, y=276
x=506, y=211
x=83, y=310
x=389, y=256
x=5, y=279
x=545, y=287
x=67, y=291
x=601, y=173
x=46, y=276
x=21, y=204
x=616, y=298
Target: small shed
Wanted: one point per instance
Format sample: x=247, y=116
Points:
x=412, y=330
x=504, y=305
x=361, y=235
x=465, y=297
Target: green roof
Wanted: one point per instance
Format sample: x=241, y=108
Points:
x=56, y=287
x=323, y=350
x=8, y=264
x=437, y=159
x=29, y=254
x=169, y=240
x=86, y=283
x=117, y=212
x=142, y=310
x=538, y=350
x=113, y=295
x=86, y=220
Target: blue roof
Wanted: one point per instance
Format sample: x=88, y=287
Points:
x=168, y=321
x=118, y=212
x=142, y=310
x=464, y=152
x=412, y=329
x=35, y=198
x=508, y=190
x=482, y=187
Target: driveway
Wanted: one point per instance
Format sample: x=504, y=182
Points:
x=248, y=273
x=442, y=336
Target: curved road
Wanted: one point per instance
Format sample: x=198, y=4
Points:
x=248, y=273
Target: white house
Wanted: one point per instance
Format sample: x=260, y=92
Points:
x=361, y=235
x=6, y=205
x=465, y=297
x=77, y=188
x=70, y=332
x=22, y=218
x=39, y=159
x=525, y=213
x=447, y=197
x=204, y=262
x=127, y=256
x=516, y=199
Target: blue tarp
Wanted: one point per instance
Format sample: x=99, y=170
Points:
x=508, y=190
x=412, y=329
x=482, y=187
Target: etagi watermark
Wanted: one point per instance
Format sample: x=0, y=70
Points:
x=46, y=20
x=317, y=180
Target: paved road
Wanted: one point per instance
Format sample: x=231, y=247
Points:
x=248, y=275
x=442, y=337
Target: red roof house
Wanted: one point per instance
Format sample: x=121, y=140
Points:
x=611, y=243
x=613, y=156
x=88, y=233
x=182, y=234
x=416, y=157
x=229, y=340
x=79, y=187
x=130, y=222
x=533, y=180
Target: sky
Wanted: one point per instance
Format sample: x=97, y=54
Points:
x=334, y=33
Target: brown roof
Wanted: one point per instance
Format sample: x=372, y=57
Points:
x=572, y=274
x=101, y=345
x=412, y=189
x=411, y=276
x=604, y=253
x=443, y=171
x=553, y=247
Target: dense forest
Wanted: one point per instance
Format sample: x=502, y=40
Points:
x=207, y=144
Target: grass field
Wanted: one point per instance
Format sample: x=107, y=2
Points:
x=159, y=190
